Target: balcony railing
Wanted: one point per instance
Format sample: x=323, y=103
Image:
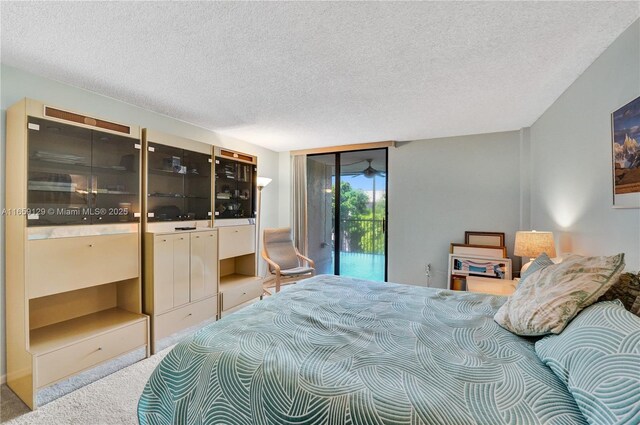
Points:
x=362, y=236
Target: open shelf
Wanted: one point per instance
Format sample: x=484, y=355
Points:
x=231, y=280
x=61, y=334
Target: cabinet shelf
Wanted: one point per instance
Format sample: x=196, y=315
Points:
x=171, y=173
x=232, y=198
x=54, y=167
x=231, y=179
x=61, y=334
x=176, y=196
x=115, y=192
x=59, y=189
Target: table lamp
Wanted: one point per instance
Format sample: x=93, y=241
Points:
x=530, y=244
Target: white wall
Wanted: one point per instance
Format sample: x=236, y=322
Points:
x=284, y=191
x=439, y=188
x=571, y=182
x=16, y=84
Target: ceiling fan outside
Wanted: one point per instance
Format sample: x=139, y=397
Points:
x=370, y=172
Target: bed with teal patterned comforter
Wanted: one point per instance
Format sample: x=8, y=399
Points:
x=335, y=350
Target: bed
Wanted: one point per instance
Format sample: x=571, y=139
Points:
x=336, y=350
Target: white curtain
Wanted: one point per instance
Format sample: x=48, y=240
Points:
x=299, y=202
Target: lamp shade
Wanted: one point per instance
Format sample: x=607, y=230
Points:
x=531, y=244
x=263, y=181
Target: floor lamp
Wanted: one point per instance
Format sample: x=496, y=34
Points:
x=262, y=182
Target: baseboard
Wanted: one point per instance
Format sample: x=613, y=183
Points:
x=3, y=379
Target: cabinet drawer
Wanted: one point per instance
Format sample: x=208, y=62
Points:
x=236, y=240
x=184, y=317
x=77, y=357
x=66, y=264
x=239, y=293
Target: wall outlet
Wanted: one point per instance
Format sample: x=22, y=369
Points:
x=427, y=272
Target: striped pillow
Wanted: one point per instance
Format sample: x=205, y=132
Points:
x=540, y=262
x=598, y=357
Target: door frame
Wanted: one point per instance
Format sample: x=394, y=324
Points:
x=337, y=194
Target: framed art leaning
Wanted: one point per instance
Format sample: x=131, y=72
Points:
x=484, y=238
x=461, y=266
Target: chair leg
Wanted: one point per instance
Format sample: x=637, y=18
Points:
x=277, y=282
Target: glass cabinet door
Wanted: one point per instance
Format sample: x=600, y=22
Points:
x=245, y=190
x=234, y=189
x=197, y=185
x=115, y=178
x=179, y=184
x=165, y=183
x=226, y=189
x=59, y=173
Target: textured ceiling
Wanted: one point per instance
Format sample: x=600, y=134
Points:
x=299, y=75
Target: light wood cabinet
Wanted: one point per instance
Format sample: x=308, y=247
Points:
x=170, y=271
x=204, y=272
x=181, y=268
x=55, y=365
x=235, y=211
x=485, y=285
x=67, y=264
x=185, y=317
x=238, y=281
x=72, y=249
x=237, y=240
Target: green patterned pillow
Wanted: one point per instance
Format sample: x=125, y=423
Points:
x=598, y=358
x=550, y=297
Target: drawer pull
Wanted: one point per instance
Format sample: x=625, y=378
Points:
x=99, y=349
x=90, y=245
x=244, y=293
x=190, y=314
x=84, y=218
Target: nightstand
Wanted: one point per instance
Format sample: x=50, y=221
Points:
x=491, y=286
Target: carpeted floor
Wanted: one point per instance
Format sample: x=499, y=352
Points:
x=106, y=395
x=109, y=401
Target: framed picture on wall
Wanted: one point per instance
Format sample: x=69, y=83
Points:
x=625, y=138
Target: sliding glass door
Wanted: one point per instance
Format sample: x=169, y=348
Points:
x=348, y=237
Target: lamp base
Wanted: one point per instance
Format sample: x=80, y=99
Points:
x=526, y=266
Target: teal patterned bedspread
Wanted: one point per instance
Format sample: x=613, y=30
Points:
x=335, y=350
